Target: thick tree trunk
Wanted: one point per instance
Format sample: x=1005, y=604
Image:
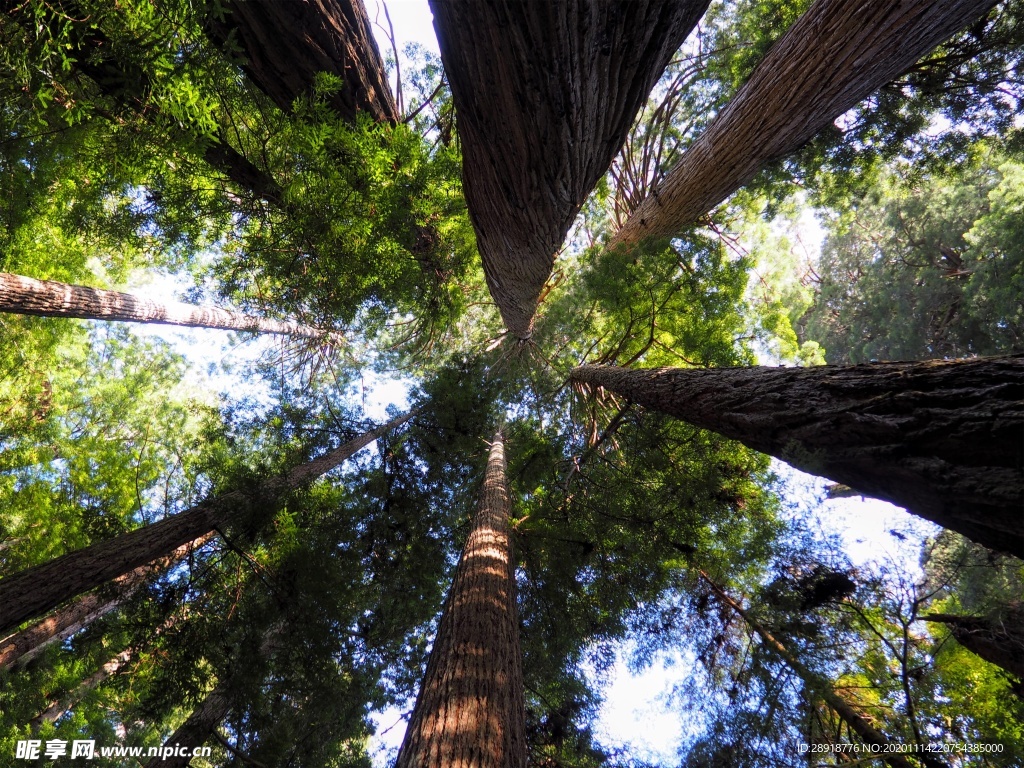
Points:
x=470, y=711
x=43, y=587
x=46, y=298
x=545, y=94
x=997, y=642
x=287, y=43
x=25, y=645
x=945, y=439
x=856, y=722
x=835, y=55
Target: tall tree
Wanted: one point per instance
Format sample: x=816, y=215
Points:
x=942, y=438
x=544, y=96
x=836, y=54
x=46, y=298
x=38, y=589
x=469, y=711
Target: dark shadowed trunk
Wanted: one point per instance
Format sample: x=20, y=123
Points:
x=945, y=439
x=46, y=298
x=41, y=588
x=854, y=720
x=998, y=641
x=470, y=711
x=835, y=55
x=196, y=730
x=545, y=94
x=25, y=645
x=286, y=44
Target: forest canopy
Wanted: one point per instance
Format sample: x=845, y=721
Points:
x=618, y=266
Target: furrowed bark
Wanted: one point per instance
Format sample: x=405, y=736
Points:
x=38, y=589
x=997, y=642
x=945, y=439
x=25, y=645
x=286, y=44
x=46, y=298
x=470, y=711
x=856, y=722
x=545, y=94
x=833, y=57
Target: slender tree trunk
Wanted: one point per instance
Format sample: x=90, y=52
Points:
x=27, y=296
x=945, y=439
x=25, y=645
x=856, y=722
x=997, y=642
x=470, y=711
x=53, y=712
x=286, y=44
x=196, y=730
x=43, y=587
x=832, y=58
x=545, y=94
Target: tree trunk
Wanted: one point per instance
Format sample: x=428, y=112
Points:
x=945, y=439
x=53, y=712
x=286, y=44
x=196, y=730
x=545, y=94
x=45, y=298
x=43, y=587
x=24, y=646
x=470, y=711
x=856, y=722
x=833, y=57
x=997, y=642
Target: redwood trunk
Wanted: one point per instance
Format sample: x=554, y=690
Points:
x=286, y=44
x=53, y=712
x=196, y=730
x=46, y=298
x=856, y=721
x=945, y=439
x=833, y=57
x=470, y=711
x=22, y=647
x=997, y=642
x=545, y=94
x=43, y=587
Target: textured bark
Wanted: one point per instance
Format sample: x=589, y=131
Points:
x=833, y=57
x=53, y=712
x=856, y=721
x=998, y=642
x=285, y=45
x=38, y=589
x=196, y=730
x=46, y=298
x=25, y=645
x=545, y=94
x=470, y=712
x=945, y=439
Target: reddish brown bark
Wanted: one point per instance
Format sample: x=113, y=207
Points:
x=470, y=711
x=25, y=645
x=835, y=55
x=545, y=94
x=945, y=439
x=46, y=298
x=286, y=44
x=43, y=587
x=997, y=641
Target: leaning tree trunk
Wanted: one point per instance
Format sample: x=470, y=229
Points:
x=25, y=645
x=857, y=722
x=286, y=44
x=545, y=94
x=833, y=57
x=945, y=439
x=53, y=712
x=46, y=298
x=196, y=730
x=38, y=589
x=999, y=642
x=470, y=711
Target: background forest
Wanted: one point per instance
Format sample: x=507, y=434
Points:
x=321, y=223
